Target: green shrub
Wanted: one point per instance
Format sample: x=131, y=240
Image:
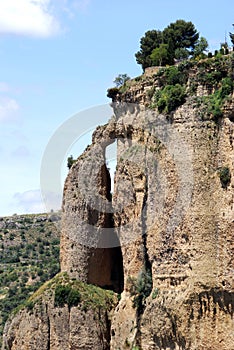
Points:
x=215, y=101
x=140, y=289
x=215, y=105
x=170, y=97
x=225, y=176
x=155, y=293
x=175, y=76
x=113, y=92
x=70, y=162
x=226, y=88
x=209, y=78
x=66, y=295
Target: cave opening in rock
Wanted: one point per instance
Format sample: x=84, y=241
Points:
x=106, y=264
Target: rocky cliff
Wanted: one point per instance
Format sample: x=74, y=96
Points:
x=163, y=239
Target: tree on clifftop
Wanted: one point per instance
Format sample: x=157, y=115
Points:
x=121, y=79
x=181, y=35
x=149, y=42
x=232, y=37
x=179, y=40
x=160, y=56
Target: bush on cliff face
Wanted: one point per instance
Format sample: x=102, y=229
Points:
x=70, y=161
x=216, y=100
x=113, y=92
x=170, y=97
x=140, y=289
x=225, y=176
x=176, y=75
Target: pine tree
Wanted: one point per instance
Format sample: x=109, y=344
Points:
x=232, y=37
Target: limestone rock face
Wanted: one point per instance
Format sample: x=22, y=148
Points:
x=163, y=239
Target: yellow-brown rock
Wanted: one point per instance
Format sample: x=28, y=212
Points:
x=163, y=239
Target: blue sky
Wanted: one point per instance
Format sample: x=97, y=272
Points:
x=58, y=57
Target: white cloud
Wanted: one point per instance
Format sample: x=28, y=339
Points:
x=31, y=202
x=8, y=109
x=28, y=17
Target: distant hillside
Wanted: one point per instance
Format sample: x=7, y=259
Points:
x=29, y=256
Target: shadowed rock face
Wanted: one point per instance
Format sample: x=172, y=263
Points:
x=169, y=217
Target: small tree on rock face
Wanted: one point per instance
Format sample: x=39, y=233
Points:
x=70, y=161
x=121, y=79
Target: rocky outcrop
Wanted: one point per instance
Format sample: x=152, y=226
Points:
x=44, y=324
x=164, y=237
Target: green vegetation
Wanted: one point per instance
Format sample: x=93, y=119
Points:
x=65, y=291
x=232, y=37
x=200, y=48
x=121, y=86
x=160, y=56
x=66, y=295
x=121, y=79
x=140, y=289
x=177, y=41
x=113, y=92
x=29, y=256
x=214, y=102
x=155, y=293
x=70, y=161
x=172, y=86
x=215, y=74
x=176, y=75
x=225, y=176
x=170, y=97
x=149, y=42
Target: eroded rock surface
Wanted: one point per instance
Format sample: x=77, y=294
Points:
x=163, y=238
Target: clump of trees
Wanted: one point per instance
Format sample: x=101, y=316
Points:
x=177, y=41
